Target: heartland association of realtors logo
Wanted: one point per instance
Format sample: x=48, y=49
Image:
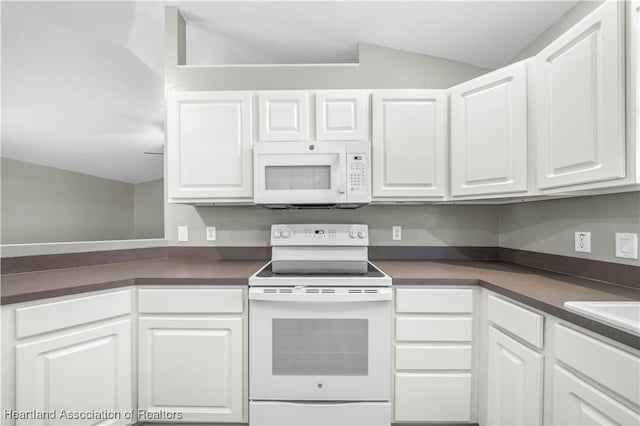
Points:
x=99, y=415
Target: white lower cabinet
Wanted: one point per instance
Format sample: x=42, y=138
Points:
x=433, y=355
x=191, y=355
x=577, y=403
x=77, y=372
x=72, y=358
x=514, y=382
x=192, y=366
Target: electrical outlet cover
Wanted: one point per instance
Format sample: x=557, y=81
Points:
x=211, y=233
x=183, y=234
x=397, y=233
x=583, y=241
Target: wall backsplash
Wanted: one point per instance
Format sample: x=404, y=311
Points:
x=426, y=225
x=549, y=226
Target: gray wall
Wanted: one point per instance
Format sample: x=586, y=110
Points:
x=148, y=209
x=378, y=67
x=429, y=225
x=569, y=19
x=549, y=226
x=44, y=204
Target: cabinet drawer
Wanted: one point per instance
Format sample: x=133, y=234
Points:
x=191, y=300
x=433, y=357
x=521, y=322
x=433, y=329
x=433, y=397
x=434, y=300
x=47, y=317
x=616, y=369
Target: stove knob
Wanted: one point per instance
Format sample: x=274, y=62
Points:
x=277, y=233
x=352, y=234
x=286, y=234
x=360, y=234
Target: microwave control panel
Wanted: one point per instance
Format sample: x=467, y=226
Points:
x=357, y=173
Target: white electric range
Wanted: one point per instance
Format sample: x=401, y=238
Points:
x=320, y=318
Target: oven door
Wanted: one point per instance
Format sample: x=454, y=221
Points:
x=299, y=173
x=319, y=344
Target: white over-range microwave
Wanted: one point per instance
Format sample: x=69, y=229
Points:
x=312, y=174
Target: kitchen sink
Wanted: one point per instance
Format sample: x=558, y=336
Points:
x=623, y=315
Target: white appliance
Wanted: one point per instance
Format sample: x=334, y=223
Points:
x=312, y=174
x=320, y=318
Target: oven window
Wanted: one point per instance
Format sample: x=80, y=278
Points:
x=297, y=177
x=320, y=347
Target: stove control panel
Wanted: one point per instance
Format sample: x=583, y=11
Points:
x=319, y=235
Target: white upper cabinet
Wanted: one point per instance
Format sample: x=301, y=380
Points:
x=579, y=90
x=209, y=147
x=489, y=133
x=283, y=115
x=409, y=136
x=342, y=115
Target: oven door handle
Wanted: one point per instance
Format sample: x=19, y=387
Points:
x=321, y=298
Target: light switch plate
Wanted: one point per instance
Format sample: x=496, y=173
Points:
x=583, y=241
x=626, y=245
x=211, y=233
x=183, y=234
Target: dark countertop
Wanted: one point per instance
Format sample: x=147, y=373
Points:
x=546, y=291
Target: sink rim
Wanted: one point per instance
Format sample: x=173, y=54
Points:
x=589, y=309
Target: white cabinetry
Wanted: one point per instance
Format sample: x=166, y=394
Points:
x=579, y=91
x=283, y=115
x=579, y=404
x=191, y=353
x=209, y=147
x=602, y=379
x=514, y=371
x=409, y=137
x=72, y=355
x=433, y=355
x=489, y=133
x=342, y=115
x=514, y=381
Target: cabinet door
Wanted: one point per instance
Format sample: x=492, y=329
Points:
x=209, y=147
x=579, y=86
x=579, y=404
x=192, y=365
x=409, y=144
x=514, y=381
x=489, y=133
x=341, y=115
x=283, y=116
x=85, y=371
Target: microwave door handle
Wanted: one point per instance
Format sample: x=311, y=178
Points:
x=342, y=172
